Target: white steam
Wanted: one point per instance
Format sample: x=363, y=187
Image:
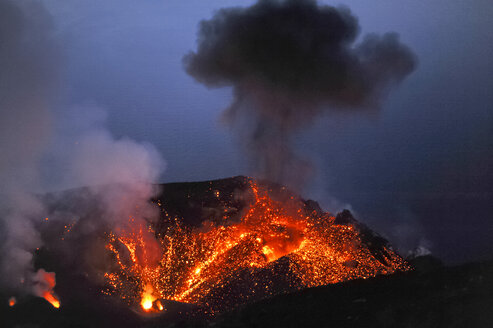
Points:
x=118, y=172
x=28, y=76
x=72, y=148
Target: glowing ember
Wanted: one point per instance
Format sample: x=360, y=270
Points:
x=12, y=301
x=194, y=265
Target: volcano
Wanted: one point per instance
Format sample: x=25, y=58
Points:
x=216, y=245
x=228, y=242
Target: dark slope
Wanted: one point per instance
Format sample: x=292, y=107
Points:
x=446, y=297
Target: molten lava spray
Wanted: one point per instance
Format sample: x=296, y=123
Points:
x=138, y=253
x=196, y=265
x=147, y=298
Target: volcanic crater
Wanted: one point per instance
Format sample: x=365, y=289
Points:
x=216, y=245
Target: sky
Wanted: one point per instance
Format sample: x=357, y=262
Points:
x=419, y=171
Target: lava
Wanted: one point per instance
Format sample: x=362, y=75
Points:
x=44, y=282
x=190, y=265
x=146, y=302
x=52, y=299
x=148, y=299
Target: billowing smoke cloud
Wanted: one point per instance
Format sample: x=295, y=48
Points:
x=118, y=172
x=71, y=147
x=288, y=61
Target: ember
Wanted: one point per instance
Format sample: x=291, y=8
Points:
x=194, y=264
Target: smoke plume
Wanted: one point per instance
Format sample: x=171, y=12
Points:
x=28, y=78
x=288, y=61
x=70, y=145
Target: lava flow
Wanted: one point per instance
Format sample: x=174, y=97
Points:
x=274, y=247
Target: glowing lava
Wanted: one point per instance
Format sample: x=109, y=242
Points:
x=146, y=303
x=44, y=282
x=148, y=298
x=50, y=297
x=273, y=243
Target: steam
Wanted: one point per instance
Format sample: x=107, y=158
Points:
x=288, y=62
x=67, y=148
x=44, y=282
x=28, y=78
x=118, y=172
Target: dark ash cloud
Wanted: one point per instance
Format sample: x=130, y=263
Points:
x=288, y=61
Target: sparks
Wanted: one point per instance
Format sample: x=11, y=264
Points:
x=188, y=265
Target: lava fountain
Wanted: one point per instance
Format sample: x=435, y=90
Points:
x=217, y=266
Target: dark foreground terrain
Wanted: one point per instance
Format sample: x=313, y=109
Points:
x=431, y=296
x=443, y=297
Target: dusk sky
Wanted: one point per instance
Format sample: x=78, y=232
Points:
x=419, y=171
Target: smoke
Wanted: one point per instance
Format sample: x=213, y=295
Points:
x=46, y=146
x=118, y=172
x=43, y=283
x=288, y=62
x=28, y=78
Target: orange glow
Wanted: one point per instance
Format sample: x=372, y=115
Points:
x=43, y=287
x=148, y=298
x=146, y=303
x=185, y=264
x=50, y=297
x=12, y=301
